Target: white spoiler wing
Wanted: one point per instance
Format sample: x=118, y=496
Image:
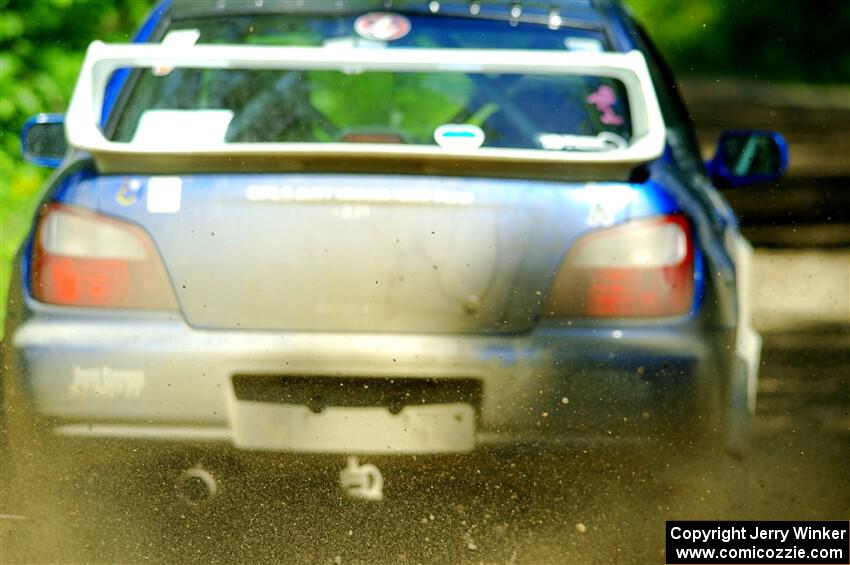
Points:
x=83, y=117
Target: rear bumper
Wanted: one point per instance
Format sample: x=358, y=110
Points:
x=155, y=378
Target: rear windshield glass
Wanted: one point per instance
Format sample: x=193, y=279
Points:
x=512, y=110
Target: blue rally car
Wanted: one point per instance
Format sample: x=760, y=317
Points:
x=392, y=227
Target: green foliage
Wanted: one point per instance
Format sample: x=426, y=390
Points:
x=787, y=41
x=41, y=49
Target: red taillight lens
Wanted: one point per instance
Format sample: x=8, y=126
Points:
x=642, y=269
x=84, y=259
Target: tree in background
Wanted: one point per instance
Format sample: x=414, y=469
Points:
x=41, y=49
x=781, y=40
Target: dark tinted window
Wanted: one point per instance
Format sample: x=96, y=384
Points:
x=518, y=111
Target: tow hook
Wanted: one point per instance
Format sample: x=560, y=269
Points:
x=363, y=482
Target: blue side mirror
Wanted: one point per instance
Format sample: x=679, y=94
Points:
x=43, y=140
x=747, y=157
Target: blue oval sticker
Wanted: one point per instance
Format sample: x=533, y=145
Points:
x=459, y=136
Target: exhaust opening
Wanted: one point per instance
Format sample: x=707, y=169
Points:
x=196, y=486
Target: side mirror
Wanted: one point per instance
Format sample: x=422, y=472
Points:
x=43, y=140
x=747, y=157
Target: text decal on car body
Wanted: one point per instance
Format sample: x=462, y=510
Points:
x=106, y=382
x=310, y=193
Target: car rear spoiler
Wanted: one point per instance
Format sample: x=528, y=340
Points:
x=102, y=60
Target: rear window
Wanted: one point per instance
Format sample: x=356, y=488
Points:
x=514, y=111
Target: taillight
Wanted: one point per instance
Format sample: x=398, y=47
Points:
x=83, y=259
x=643, y=268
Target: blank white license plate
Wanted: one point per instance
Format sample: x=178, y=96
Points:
x=429, y=428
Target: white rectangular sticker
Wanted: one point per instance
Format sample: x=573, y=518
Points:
x=163, y=195
x=587, y=44
x=178, y=128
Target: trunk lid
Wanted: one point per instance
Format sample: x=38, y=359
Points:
x=363, y=253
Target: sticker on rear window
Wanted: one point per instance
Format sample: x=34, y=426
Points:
x=459, y=136
x=602, y=141
x=382, y=26
x=605, y=99
x=178, y=128
x=583, y=44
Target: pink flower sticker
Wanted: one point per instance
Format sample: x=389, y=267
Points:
x=604, y=99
